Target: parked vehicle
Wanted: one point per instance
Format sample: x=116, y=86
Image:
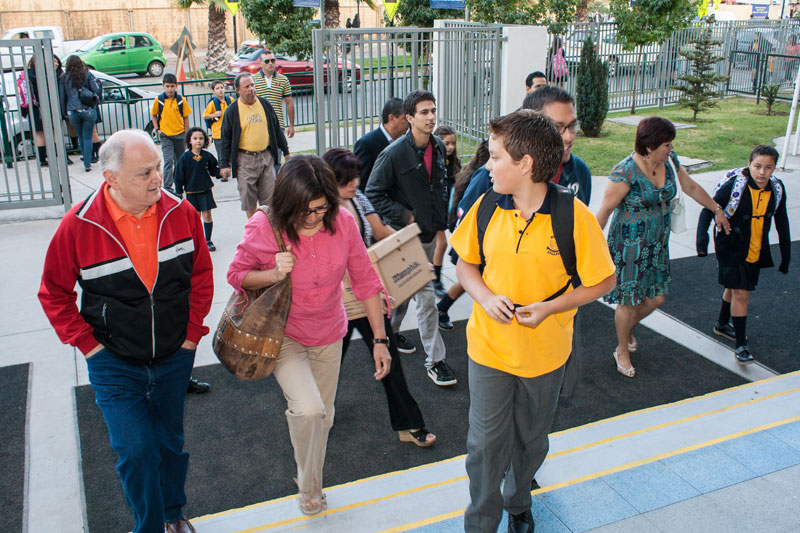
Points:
x=123, y=53
x=123, y=107
x=610, y=50
x=60, y=47
x=300, y=72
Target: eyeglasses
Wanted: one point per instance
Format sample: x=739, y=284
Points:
x=273, y=60
x=321, y=210
x=572, y=127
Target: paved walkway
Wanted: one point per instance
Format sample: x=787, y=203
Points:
x=54, y=484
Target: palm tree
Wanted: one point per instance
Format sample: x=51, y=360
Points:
x=217, y=39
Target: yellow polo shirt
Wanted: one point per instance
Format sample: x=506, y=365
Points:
x=216, y=125
x=523, y=263
x=760, y=198
x=171, y=121
x=255, y=134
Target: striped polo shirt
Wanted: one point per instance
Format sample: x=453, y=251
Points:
x=275, y=93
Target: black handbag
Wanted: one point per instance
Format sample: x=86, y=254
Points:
x=86, y=95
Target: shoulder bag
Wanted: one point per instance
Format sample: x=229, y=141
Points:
x=677, y=206
x=250, y=333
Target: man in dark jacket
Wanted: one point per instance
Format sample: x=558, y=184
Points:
x=370, y=146
x=139, y=255
x=251, y=138
x=408, y=185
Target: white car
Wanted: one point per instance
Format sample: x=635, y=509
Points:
x=123, y=107
x=609, y=50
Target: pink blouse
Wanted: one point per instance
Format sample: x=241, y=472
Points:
x=317, y=316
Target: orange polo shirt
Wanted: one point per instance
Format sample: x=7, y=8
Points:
x=140, y=237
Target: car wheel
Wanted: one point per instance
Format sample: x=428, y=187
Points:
x=24, y=147
x=155, y=69
x=149, y=130
x=613, y=66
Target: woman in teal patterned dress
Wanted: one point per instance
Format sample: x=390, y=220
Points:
x=639, y=193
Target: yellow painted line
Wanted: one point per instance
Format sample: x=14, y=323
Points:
x=461, y=457
x=356, y=505
x=614, y=470
x=679, y=402
x=668, y=424
x=348, y=484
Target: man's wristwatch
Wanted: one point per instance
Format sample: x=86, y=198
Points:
x=384, y=340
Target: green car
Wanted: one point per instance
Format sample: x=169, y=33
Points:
x=122, y=53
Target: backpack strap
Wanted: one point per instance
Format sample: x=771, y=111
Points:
x=163, y=98
x=486, y=209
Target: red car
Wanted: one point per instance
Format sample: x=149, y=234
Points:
x=299, y=72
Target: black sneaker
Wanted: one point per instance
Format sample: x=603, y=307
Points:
x=211, y=247
x=743, y=356
x=521, y=523
x=403, y=346
x=444, y=322
x=725, y=330
x=438, y=288
x=442, y=375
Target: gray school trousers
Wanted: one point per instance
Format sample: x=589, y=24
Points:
x=509, y=419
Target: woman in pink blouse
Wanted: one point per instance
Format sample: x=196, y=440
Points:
x=322, y=242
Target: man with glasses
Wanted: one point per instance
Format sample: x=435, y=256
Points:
x=275, y=87
x=559, y=106
x=251, y=137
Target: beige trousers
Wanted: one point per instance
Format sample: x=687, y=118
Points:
x=308, y=376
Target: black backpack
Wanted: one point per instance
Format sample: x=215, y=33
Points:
x=562, y=209
x=162, y=98
x=217, y=107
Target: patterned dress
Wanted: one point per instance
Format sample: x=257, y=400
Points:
x=638, y=238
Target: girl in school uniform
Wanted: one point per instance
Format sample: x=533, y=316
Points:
x=193, y=174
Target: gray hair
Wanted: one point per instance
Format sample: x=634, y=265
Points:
x=237, y=80
x=113, y=149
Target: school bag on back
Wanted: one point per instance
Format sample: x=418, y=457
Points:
x=217, y=107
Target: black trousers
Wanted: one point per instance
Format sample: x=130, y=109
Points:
x=404, y=412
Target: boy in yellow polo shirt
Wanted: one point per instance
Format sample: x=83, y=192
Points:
x=518, y=339
x=214, y=112
x=170, y=115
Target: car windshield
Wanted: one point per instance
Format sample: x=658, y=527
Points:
x=249, y=51
x=91, y=44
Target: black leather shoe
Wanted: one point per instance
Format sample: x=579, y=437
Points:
x=521, y=523
x=198, y=387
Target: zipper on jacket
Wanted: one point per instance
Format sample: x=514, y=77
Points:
x=153, y=321
x=105, y=308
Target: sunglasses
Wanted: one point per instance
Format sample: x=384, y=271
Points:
x=273, y=60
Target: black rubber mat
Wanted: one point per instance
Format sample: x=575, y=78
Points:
x=772, y=314
x=13, y=420
x=238, y=437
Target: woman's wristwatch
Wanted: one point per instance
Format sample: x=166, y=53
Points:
x=384, y=340
x=719, y=208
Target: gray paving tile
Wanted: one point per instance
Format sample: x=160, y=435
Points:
x=759, y=505
x=708, y=469
x=788, y=433
x=696, y=514
x=636, y=524
x=650, y=486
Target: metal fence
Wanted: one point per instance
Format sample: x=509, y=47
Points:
x=662, y=65
x=459, y=65
x=25, y=183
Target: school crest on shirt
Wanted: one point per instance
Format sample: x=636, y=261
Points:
x=552, y=246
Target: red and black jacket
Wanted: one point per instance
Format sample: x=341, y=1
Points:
x=117, y=309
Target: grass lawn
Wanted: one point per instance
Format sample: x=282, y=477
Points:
x=723, y=136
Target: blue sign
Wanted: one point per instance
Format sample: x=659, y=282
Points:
x=306, y=3
x=447, y=4
x=760, y=11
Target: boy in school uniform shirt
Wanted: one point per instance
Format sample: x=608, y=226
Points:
x=518, y=343
x=215, y=114
x=170, y=125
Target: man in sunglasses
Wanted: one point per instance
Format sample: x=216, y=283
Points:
x=275, y=88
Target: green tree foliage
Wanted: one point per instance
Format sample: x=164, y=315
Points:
x=699, y=87
x=418, y=13
x=591, y=96
x=282, y=27
x=770, y=95
x=217, y=38
x=648, y=21
x=504, y=11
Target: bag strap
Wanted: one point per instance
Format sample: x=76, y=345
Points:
x=486, y=209
x=675, y=174
x=278, y=237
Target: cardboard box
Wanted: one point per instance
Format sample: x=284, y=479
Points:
x=402, y=266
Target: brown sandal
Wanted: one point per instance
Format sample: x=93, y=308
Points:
x=418, y=437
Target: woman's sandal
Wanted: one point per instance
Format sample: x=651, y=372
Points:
x=420, y=437
x=311, y=506
x=627, y=372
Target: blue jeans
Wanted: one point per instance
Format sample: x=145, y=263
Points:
x=143, y=409
x=83, y=121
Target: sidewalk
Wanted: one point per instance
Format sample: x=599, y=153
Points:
x=54, y=487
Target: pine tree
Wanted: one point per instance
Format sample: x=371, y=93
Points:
x=699, y=87
x=592, y=90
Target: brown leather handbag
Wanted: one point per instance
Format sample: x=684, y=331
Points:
x=250, y=333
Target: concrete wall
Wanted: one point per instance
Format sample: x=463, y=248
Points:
x=524, y=51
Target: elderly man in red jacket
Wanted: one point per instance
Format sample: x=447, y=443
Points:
x=139, y=255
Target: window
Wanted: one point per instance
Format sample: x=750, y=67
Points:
x=140, y=41
x=115, y=43
x=43, y=34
